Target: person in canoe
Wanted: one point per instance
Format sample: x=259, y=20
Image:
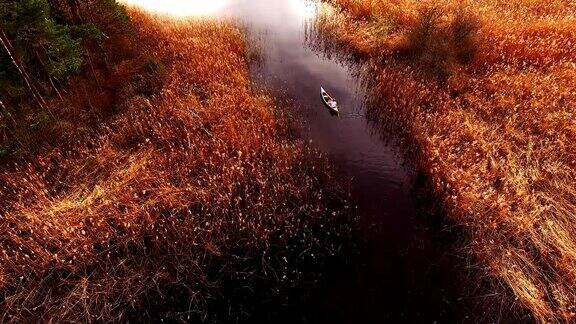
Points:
x=329, y=101
x=332, y=103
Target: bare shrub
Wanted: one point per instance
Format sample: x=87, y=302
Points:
x=438, y=46
x=464, y=28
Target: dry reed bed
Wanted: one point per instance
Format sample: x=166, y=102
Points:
x=183, y=204
x=495, y=130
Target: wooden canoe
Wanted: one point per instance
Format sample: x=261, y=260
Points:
x=329, y=101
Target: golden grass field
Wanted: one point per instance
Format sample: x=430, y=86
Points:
x=174, y=197
x=486, y=93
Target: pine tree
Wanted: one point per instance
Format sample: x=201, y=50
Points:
x=34, y=43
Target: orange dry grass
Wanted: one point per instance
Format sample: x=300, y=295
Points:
x=496, y=136
x=174, y=198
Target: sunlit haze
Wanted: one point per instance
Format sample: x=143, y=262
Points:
x=302, y=8
x=180, y=7
x=209, y=7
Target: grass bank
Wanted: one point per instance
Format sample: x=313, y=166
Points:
x=484, y=92
x=186, y=197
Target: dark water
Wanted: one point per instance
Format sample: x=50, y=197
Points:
x=404, y=272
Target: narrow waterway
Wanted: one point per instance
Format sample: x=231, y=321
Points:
x=404, y=272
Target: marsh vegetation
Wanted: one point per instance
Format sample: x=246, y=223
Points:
x=144, y=176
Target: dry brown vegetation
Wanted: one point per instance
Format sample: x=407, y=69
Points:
x=186, y=200
x=486, y=94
